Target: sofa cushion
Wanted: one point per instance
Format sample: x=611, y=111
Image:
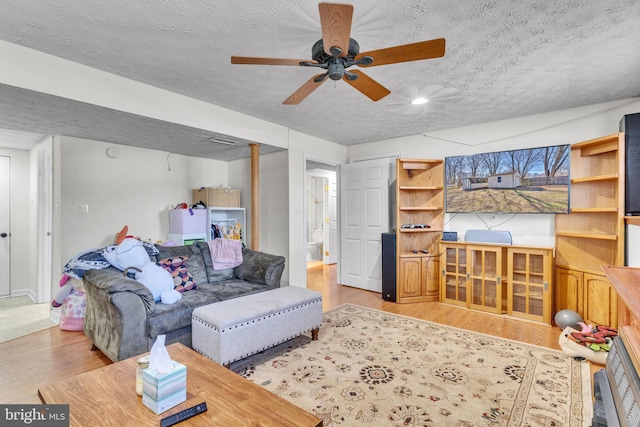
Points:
x=257, y=266
x=177, y=267
x=212, y=274
x=195, y=263
x=169, y=317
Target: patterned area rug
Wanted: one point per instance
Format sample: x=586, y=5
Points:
x=373, y=368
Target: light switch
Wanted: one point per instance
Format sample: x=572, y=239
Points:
x=82, y=209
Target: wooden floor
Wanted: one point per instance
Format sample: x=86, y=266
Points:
x=53, y=355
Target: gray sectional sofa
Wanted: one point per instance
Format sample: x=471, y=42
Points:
x=122, y=319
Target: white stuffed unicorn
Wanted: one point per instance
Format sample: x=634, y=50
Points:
x=131, y=254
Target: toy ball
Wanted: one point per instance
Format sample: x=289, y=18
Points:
x=569, y=318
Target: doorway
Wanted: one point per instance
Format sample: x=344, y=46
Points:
x=26, y=302
x=321, y=213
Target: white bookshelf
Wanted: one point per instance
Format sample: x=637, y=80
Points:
x=228, y=220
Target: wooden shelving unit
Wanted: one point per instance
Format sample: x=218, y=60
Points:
x=592, y=234
x=419, y=216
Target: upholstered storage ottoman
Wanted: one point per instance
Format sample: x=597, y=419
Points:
x=231, y=330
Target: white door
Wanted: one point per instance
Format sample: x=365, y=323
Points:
x=5, y=240
x=331, y=222
x=364, y=216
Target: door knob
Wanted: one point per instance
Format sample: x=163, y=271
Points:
x=3, y=234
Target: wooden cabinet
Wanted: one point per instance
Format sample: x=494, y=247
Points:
x=590, y=295
x=529, y=283
x=569, y=290
x=419, y=278
x=485, y=278
x=600, y=301
x=592, y=234
x=419, y=216
x=516, y=280
x=453, y=278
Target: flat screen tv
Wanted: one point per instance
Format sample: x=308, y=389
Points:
x=533, y=180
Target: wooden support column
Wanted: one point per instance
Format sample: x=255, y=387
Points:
x=255, y=197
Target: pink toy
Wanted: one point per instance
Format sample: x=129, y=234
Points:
x=72, y=299
x=65, y=289
x=585, y=328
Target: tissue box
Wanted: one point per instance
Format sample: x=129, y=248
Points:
x=164, y=390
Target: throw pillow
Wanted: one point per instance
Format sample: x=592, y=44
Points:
x=177, y=267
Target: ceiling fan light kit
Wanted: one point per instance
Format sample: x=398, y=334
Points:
x=419, y=101
x=336, y=51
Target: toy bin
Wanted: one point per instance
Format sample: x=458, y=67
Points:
x=188, y=221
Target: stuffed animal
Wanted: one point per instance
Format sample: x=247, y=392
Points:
x=72, y=299
x=66, y=286
x=131, y=254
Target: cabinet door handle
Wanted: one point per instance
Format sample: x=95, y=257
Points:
x=3, y=234
x=546, y=286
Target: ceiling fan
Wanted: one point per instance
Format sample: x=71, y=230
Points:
x=336, y=51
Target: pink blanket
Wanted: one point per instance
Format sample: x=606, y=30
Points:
x=225, y=253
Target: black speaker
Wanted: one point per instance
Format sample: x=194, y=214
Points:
x=450, y=236
x=389, y=267
x=630, y=125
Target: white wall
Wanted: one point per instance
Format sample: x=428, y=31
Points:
x=274, y=202
x=554, y=128
x=23, y=268
x=301, y=148
x=137, y=189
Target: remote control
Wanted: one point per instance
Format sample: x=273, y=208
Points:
x=183, y=415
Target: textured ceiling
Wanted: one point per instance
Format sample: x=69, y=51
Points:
x=504, y=59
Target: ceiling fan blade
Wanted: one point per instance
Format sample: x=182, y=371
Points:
x=404, y=53
x=369, y=87
x=335, y=20
x=305, y=90
x=267, y=61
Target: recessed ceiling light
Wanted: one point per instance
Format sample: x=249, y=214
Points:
x=419, y=101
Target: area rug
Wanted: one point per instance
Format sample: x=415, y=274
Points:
x=373, y=368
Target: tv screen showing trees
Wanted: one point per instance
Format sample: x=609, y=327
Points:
x=533, y=180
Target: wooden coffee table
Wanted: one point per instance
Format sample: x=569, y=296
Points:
x=107, y=396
